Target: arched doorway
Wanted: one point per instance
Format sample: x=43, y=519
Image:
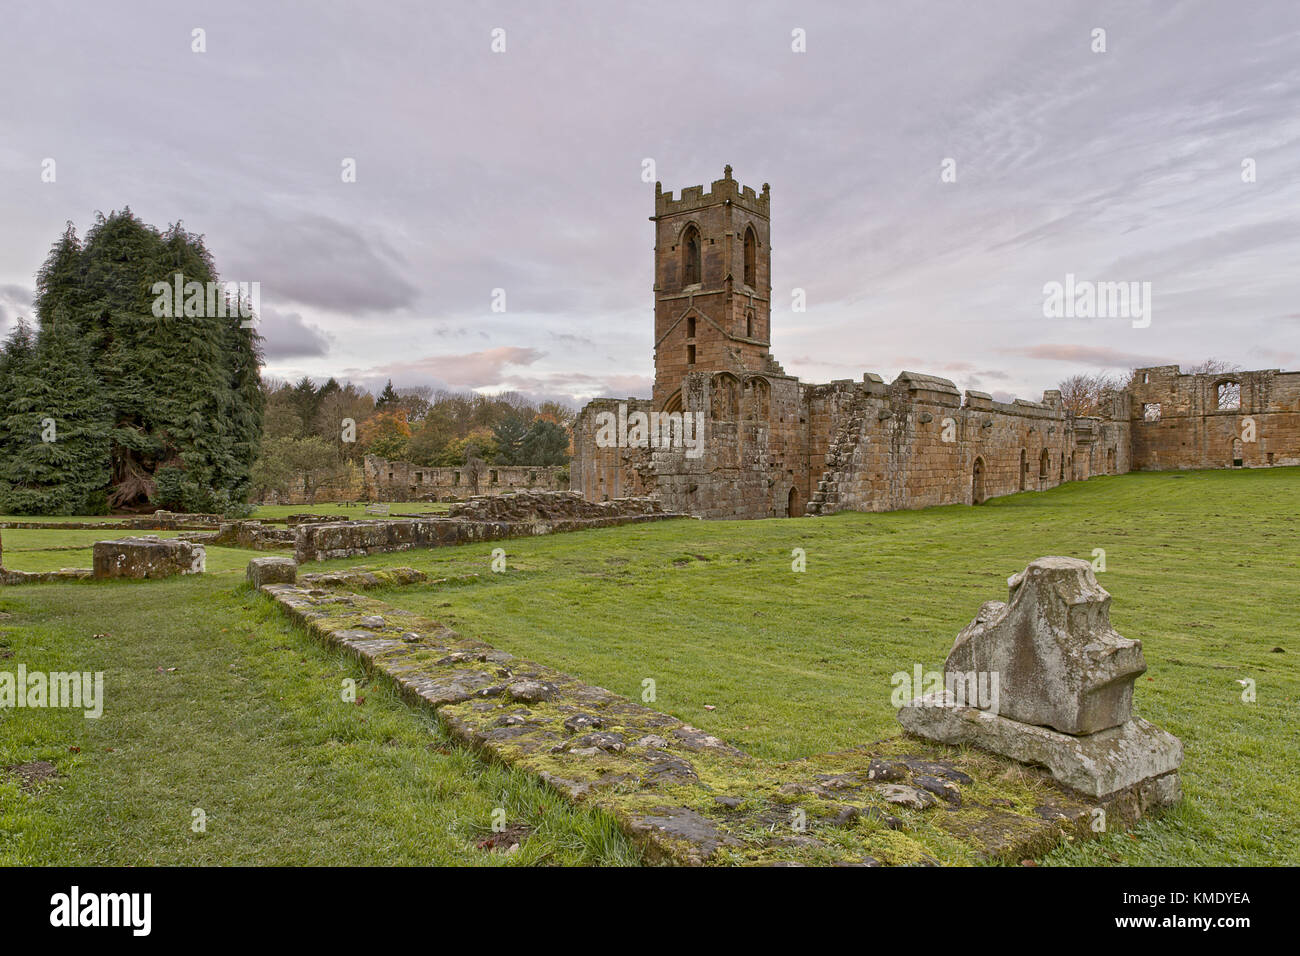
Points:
x=792, y=504
x=1044, y=468
x=977, y=483
x=1024, y=468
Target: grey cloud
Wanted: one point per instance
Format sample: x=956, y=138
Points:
x=318, y=261
x=287, y=335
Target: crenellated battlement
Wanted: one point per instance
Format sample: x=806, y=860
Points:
x=721, y=190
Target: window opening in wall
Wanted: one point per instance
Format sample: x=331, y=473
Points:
x=691, y=253
x=751, y=245
x=1151, y=412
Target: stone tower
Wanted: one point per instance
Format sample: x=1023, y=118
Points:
x=712, y=287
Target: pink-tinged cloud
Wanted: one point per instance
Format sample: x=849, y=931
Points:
x=469, y=369
x=1087, y=355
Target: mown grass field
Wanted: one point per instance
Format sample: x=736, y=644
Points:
x=214, y=703
x=1202, y=566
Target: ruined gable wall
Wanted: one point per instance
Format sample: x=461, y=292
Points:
x=602, y=474
x=1193, y=433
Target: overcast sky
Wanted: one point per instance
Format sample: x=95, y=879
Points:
x=522, y=170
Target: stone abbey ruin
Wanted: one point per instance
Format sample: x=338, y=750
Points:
x=773, y=446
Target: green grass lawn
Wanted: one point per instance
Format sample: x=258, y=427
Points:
x=213, y=702
x=51, y=519
x=1202, y=567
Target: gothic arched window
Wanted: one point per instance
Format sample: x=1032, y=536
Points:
x=691, y=256
x=751, y=258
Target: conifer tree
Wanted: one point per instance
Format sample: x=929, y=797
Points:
x=59, y=456
x=158, y=408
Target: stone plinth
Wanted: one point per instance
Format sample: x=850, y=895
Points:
x=277, y=570
x=147, y=557
x=1098, y=765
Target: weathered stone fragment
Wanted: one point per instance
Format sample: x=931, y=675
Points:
x=277, y=570
x=147, y=557
x=905, y=796
x=1064, y=693
x=1058, y=661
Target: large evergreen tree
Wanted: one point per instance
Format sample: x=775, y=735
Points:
x=177, y=399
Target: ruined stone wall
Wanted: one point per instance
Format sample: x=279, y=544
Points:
x=775, y=447
x=915, y=443
x=484, y=518
x=753, y=448
x=386, y=480
x=603, y=473
x=1176, y=421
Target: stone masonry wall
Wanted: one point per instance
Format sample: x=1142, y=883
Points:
x=402, y=481
x=775, y=447
x=1191, y=431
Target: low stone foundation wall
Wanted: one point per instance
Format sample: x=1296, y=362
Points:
x=476, y=520
x=44, y=577
x=251, y=535
x=550, y=506
x=158, y=521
